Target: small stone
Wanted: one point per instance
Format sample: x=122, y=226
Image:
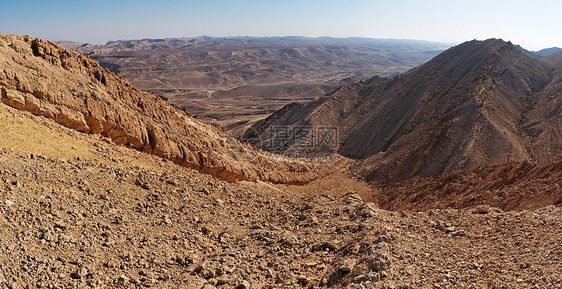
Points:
x=481, y=209
x=333, y=245
x=205, y=230
x=318, y=246
x=222, y=280
x=347, y=265
x=457, y=234
x=201, y=267
x=112, y=263
x=48, y=236
x=370, y=277
x=450, y=229
x=367, y=210
x=309, y=264
x=383, y=239
x=9, y=203
x=378, y=265
x=243, y=285
x=123, y=278
x=303, y=279
x=80, y=273
x=352, y=198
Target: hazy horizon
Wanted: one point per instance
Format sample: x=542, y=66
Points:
x=534, y=26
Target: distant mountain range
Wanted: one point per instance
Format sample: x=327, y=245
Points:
x=548, y=51
x=232, y=82
x=476, y=104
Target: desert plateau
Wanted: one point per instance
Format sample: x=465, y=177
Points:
x=232, y=82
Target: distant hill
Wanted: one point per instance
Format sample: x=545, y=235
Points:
x=70, y=44
x=204, y=75
x=476, y=104
x=548, y=51
x=555, y=60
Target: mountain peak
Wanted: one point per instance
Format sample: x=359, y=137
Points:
x=462, y=109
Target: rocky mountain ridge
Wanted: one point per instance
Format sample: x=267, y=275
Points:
x=475, y=104
x=555, y=60
x=50, y=81
x=548, y=51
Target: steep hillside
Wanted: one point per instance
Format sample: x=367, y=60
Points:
x=203, y=75
x=470, y=106
x=48, y=80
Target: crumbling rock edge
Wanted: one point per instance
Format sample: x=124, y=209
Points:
x=48, y=80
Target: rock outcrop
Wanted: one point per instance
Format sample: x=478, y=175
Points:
x=48, y=80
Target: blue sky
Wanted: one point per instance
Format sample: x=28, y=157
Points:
x=533, y=24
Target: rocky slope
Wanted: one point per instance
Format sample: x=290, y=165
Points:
x=509, y=186
x=77, y=212
x=206, y=75
x=48, y=80
x=476, y=104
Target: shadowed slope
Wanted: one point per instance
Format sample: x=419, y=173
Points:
x=463, y=109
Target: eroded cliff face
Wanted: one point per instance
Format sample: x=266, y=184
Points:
x=48, y=80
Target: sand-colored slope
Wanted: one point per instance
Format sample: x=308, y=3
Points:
x=510, y=186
